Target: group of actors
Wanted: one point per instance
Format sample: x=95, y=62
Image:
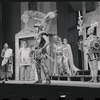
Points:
x=38, y=54
x=64, y=64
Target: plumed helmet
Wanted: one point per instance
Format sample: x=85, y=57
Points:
x=90, y=30
x=40, y=26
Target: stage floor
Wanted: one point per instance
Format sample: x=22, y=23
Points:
x=58, y=83
x=15, y=90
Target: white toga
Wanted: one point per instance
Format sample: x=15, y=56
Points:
x=25, y=56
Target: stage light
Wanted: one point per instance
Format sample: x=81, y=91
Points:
x=63, y=96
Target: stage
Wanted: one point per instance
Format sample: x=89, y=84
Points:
x=57, y=83
x=16, y=90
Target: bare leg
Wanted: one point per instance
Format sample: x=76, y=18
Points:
x=22, y=73
x=95, y=70
x=55, y=66
x=28, y=69
x=91, y=69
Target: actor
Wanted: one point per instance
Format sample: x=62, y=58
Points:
x=92, y=57
x=41, y=53
x=7, y=62
x=25, y=61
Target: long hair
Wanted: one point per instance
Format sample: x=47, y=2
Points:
x=5, y=47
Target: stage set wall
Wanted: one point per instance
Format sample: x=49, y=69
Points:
x=66, y=22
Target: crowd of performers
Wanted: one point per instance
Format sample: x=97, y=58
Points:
x=38, y=54
x=63, y=60
x=64, y=64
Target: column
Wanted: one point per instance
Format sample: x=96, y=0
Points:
x=85, y=58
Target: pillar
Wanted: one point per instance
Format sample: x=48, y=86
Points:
x=85, y=58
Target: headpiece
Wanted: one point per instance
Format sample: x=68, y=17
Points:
x=40, y=26
x=92, y=26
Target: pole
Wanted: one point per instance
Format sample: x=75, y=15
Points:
x=84, y=36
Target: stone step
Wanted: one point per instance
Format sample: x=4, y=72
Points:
x=86, y=72
x=74, y=78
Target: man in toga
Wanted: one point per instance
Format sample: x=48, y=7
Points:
x=25, y=61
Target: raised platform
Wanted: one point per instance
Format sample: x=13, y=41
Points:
x=55, y=83
x=16, y=90
x=81, y=76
